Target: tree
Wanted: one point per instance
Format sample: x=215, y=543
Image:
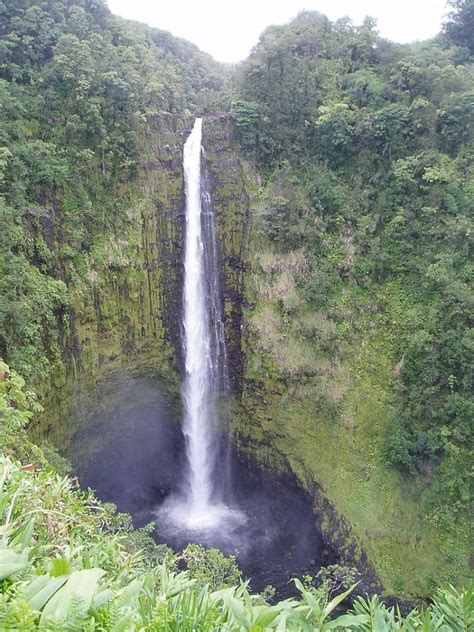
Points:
x=459, y=29
x=246, y=116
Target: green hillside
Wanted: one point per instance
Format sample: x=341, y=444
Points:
x=341, y=167
x=360, y=360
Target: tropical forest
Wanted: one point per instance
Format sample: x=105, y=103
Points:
x=236, y=345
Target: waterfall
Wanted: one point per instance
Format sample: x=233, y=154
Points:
x=201, y=504
x=203, y=339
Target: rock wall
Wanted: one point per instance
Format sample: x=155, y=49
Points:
x=231, y=182
x=126, y=311
x=130, y=312
x=126, y=314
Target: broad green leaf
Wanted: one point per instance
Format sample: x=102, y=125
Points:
x=37, y=584
x=41, y=589
x=337, y=600
x=267, y=616
x=81, y=584
x=283, y=618
x=101, y=598
x=130, y=592
x=347, y=620
x=60, y=566
x=297, y=621
x=22, y=536
x=313, y=604
x=379, y=621
x=237, y=610
x=299, y=585
x=12, y=563
x=221, y=594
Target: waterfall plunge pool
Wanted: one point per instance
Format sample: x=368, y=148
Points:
x=127, y=444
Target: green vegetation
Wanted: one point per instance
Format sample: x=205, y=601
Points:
x=68, y=562
x=360, y=353
x=459, y=29
x=77, y=88
x=358, y=331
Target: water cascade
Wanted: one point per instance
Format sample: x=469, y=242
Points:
x=201, y=503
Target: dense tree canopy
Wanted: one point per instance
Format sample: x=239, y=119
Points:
x=378, y=139
x=460, y=26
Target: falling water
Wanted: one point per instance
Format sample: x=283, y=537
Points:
x=201, y=505
x=201, y=348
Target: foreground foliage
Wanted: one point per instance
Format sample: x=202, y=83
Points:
x=65, y=564
x=69, y=562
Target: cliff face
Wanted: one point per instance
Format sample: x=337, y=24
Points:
x=126, y=302
x=230, y=183
x=297, y=408
x=321, y=410
x=128, y=314
x=125, y=318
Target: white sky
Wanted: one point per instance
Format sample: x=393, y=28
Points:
x=228, y=29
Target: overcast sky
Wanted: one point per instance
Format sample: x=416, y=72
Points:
x=228, y=29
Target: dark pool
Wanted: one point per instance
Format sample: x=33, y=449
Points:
x=127, y=445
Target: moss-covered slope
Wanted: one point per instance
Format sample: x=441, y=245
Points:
x=317, y=398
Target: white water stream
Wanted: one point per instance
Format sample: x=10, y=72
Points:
x=198, y=398
x=200, y=506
